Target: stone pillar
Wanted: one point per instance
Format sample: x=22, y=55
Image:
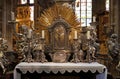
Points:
x=4, y=19
x=115, y=16
x=112, y=11
x=9, y=26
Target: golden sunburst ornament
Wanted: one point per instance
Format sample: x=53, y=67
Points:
x=51, y=14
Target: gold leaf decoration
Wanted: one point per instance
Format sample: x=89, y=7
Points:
x=54, y=12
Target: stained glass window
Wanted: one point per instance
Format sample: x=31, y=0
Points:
x=83, y=10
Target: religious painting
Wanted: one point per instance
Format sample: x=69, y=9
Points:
x=59, y=37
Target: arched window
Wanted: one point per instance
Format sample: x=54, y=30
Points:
x=83, y=10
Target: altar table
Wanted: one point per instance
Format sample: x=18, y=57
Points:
x=48, y=67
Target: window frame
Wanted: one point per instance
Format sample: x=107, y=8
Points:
x=83, y=13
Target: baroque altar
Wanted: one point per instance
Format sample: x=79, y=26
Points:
x=69, y=47
x=60, y=37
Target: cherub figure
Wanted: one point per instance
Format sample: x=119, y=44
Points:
x=77, y=52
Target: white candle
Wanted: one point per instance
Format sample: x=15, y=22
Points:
x=43, y=34
x=75, y=35
x=88, y=34
x=29, y=33
x=94, y=19
x=12, y=16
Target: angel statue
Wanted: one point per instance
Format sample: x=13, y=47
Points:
x=114, y=50
x=78, y=52
x=113, y=47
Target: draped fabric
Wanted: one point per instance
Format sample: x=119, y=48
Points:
x=48, y=67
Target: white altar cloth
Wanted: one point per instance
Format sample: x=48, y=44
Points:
x=48, y=67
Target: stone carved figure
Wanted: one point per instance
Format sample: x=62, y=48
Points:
x=113, y=47
x=114, y=50
x=92, y=53
x=93, y=45
x=3, y=58
x=89, y=46
x=84, y=44
x=38, y=54
x=77, y=52
x=30, y=46
x=21, y=46
x=3, y=62
x=22, y=43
